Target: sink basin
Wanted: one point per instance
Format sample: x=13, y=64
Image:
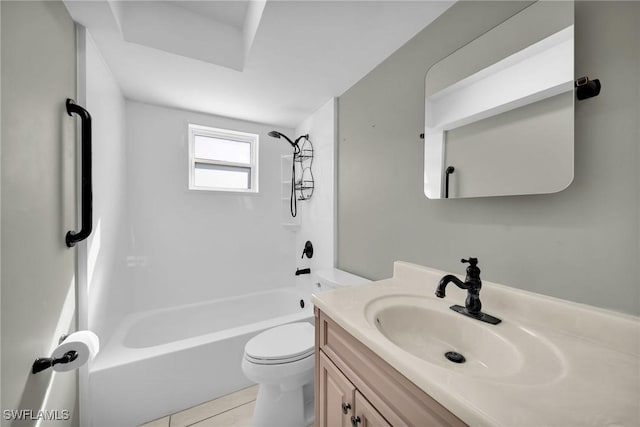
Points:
x=427, y=329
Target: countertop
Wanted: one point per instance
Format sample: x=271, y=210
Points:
x=596, y=381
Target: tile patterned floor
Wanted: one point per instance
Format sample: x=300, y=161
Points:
x=234, y=409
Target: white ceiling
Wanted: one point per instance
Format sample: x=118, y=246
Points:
x=264, y=61
x=231, y=12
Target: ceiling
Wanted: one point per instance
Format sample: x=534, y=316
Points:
x=270, y=61
x=231, y=12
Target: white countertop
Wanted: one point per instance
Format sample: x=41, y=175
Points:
x=597, y=384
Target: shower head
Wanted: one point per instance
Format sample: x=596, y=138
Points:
x=276, y=134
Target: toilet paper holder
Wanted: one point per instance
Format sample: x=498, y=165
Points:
x=42, y=363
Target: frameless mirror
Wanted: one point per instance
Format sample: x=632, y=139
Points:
x=499, y=111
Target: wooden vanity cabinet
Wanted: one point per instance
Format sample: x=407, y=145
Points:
x=355, y=387
x=341, y=405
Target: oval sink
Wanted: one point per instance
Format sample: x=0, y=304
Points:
x=428, y=329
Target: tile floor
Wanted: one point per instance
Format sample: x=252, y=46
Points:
x=234, y=409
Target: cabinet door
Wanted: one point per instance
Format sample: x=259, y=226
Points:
x=366, y=415
x=336, y=396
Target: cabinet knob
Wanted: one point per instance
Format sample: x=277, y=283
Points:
x=355, y=420
x=345, y=408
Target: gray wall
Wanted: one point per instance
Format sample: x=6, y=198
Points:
x=38, y=204
x=582, y=244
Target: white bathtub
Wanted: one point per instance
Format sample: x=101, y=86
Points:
x=162, y=361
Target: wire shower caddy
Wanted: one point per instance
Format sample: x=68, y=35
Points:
x=304, y=183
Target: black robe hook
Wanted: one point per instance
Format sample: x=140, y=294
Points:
x=586, y=88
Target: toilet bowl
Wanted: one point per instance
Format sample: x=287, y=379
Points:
x=281, y=361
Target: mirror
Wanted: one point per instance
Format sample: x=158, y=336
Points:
x=499, y=110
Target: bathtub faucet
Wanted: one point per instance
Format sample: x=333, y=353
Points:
x=303, y=271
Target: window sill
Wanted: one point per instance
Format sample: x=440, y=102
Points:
x=223, y=191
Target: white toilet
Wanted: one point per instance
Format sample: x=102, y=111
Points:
x=281, y=361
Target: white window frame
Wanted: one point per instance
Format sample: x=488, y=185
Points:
x=230, y=135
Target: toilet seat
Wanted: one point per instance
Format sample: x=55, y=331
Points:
x=282, y=344
x=277, y=361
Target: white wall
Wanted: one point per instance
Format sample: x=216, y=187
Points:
x=190, y=246
x=107, y=246
x=101, y=259
x=38, y=204
x=317, y=214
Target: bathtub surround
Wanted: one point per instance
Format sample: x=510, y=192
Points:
x=582, y=244
x=189, y=245
x=317, y=215
x=179, y=248
x=38, y=204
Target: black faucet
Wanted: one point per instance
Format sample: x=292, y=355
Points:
x=472, y=284
x=300, y=271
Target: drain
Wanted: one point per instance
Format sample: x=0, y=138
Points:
x=455, y=357
x=301, y=303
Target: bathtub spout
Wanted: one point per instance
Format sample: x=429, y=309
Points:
x=300, y=271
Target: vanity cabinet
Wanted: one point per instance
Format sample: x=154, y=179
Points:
x=355, y=387
x=341, y=405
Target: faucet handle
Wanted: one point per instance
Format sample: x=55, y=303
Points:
x=473, y=271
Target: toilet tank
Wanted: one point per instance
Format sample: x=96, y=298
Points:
x=334, y=278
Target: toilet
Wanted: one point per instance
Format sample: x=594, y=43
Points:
x=281, y=361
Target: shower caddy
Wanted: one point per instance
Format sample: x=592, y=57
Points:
x=304, y=185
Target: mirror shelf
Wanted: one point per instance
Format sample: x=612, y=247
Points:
x=539, y=71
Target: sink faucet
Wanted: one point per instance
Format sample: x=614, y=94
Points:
x=472, y=284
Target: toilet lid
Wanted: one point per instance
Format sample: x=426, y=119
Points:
x=285, y=342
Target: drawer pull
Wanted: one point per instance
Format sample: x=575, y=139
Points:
x=355, y=420
x=345, y=408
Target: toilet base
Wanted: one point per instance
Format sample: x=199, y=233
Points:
x=276, y=407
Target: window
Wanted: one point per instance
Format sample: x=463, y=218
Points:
x=222, y=160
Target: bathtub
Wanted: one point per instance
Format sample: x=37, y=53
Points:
x=162, y=361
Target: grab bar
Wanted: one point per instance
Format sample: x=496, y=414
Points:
x=448, y=172
x=86, y=192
